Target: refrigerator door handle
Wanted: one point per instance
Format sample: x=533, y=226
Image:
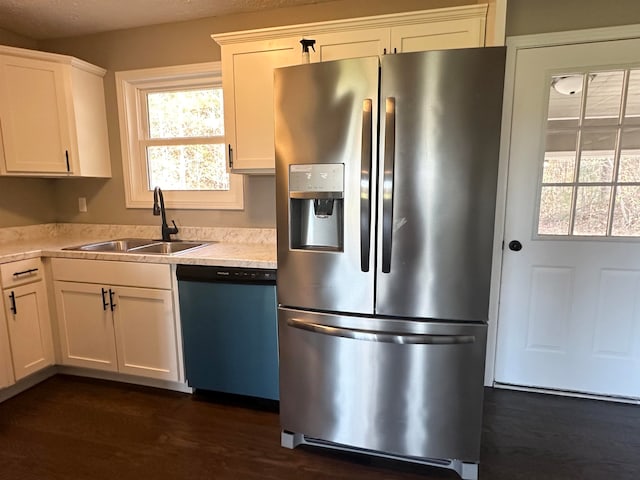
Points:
x=382, y=337
x=365, y=186
x=387, y=183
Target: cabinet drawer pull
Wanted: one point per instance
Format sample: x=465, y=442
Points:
x=13, y=308
x=105, y=304
x=25, y=272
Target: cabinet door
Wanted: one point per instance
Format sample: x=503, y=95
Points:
x=6, y=366
x=29, y=328
x=33, y=112
x=145, y=332
x=86, y=325
x=248, y=100
x=461, y=33
x=353, y=44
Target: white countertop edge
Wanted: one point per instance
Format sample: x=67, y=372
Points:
x=215, y=254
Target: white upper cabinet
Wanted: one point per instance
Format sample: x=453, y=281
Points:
x=248, y=99
x=52, y=116
x=249, y=58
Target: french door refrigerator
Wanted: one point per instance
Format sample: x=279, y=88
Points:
x=386, y=175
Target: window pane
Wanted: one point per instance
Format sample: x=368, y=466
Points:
x=597, y=157
x=563, y=104
x=188, y=167
x=558, y=167
x=626, y=214
x=629, y=170
x=555, y=210
x=592, y=211
x=633, y=95
x=187, y=113
x=604, y=96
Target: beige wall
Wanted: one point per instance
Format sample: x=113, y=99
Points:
x=24, y=201
x=543, y=16
x=183, y=43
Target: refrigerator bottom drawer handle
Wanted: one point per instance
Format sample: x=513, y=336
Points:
x=382, y=337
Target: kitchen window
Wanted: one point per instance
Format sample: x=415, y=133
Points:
x=172, y=136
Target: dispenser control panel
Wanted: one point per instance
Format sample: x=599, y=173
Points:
x=317, y=177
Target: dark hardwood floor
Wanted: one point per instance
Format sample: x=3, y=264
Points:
x=76, y=428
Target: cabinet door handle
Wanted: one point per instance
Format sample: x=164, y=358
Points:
x=111, y=294
x=13, y=308
x=230, y=157
x=105, y=304
x=66, y=154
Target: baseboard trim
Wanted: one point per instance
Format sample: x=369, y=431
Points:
x=28, y=382
x=123, y=378
x=567, y=393
x=42, y=375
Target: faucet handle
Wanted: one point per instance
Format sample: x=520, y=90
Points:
x=173, y=230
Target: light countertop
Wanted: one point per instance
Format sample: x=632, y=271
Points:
x=230, y=250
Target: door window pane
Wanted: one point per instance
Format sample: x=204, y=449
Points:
x=592, y=211
x=555, y=210
x=604, y=95
x=559, y=167
x=633, y=95
x=626, y=215
x=597, y=156
x=630, y=155
x=564, y=105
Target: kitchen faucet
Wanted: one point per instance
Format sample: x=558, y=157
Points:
x=158, y=209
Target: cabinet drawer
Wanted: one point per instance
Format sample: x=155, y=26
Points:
x=21, y=272
x=151, y=275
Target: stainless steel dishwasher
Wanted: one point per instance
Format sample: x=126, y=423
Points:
x=229, y=329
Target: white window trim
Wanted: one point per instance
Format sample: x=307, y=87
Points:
x=130, y=88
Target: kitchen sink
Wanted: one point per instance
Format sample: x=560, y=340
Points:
x=167, y=248
x=119, y=245
x=139, y=246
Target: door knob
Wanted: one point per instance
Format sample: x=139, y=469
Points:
x=515, y=245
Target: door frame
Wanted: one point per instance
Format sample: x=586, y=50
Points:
x=514, y=45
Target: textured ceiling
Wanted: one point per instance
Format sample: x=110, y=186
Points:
x=44, y=19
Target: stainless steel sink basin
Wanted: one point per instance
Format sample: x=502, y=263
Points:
x=167, y=248
x=140, y=246
x=119, y=245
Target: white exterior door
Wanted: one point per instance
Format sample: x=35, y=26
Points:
x=569, y=314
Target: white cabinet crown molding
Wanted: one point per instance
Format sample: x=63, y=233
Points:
x=53, y=57
x=395, y=19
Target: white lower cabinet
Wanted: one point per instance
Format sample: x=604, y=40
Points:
x=117, y=316
x=6, y=365
x=28, y=327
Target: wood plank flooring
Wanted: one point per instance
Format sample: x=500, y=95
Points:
x=77, y=428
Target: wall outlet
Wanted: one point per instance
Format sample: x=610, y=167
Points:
x=82, y=204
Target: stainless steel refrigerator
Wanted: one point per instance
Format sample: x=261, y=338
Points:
x=386, y=175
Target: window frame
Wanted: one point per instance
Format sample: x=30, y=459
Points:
x=131, y=89
x=576, y=183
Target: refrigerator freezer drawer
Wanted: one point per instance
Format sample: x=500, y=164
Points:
x=396, y=386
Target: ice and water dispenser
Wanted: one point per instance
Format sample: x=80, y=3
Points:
x=316, y=202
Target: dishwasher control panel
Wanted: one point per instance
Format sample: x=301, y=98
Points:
x=203, y=273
